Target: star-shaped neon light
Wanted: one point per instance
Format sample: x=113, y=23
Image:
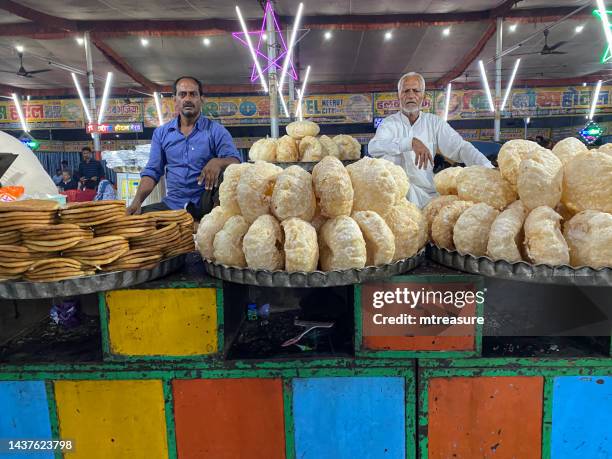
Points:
x=278, y=61
x=607, y=54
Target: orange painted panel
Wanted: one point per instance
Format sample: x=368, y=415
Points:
x=419, y=343
x=497, y=417
x=229, y=418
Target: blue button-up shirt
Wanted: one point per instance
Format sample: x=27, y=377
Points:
x=183, y=158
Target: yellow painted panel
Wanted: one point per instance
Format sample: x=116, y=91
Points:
x=112, y=419
x=169, y=322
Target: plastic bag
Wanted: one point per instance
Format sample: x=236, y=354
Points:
x=11, y=193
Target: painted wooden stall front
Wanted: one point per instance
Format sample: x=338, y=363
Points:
x=165, y=390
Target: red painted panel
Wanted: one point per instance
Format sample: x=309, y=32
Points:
x=497, y=417
x=229, y=418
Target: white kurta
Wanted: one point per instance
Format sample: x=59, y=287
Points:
x=393, y=141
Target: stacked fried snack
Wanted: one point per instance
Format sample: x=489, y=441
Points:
x=128, y=226
x=16, y=260
x=184, y=221
x=98, y=251
x=54, y=238
x=90, y=214
x=43, y=243
x=56, y=269
x=17, y=215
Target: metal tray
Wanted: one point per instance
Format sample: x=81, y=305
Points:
x=523, y=271
x=265, y=278
x=21, y=290
x=308, y=165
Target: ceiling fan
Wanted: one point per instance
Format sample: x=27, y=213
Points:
x=22, y=72
x=546, y=49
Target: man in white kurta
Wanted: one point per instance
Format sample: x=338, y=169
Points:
x=410, y=138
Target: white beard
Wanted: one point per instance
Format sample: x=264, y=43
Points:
x=410, y=111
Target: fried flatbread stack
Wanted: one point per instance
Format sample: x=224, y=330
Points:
x=128, y=226
x=15, y=260
x=90, y=214
x=56, y=269
x=10, y=237
x=184, y=220
x=162, y=238
x=55, y=238
x=98, y=251
x=30, y=212
x=135, y=259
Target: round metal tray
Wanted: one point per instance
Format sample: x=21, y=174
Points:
x=523, y=271
x=21, y=290
x=265, y=278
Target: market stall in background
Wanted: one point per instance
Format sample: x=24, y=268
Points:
x=316, y=311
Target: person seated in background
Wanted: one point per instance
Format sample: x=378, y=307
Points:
x=68, y=182
x=64, y=165
x=90, y=170
x=57, y=178
x=106, y=191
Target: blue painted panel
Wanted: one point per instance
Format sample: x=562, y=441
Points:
x=24, y=414
x=353, y=417
x=582, y=408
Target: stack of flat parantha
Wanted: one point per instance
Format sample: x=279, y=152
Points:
x=15, y=260
x=128, y=226
x=55, y=238
x=159, y=240
x=56, y=269
x=184, y=220
x=98, y=251
x=88, y=214
x=30, y=212
x=135, y=259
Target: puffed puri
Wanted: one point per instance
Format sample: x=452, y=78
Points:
x=301, y=246
x=287, y=150
x=310, y=149
x=350, y=148
x=373, y=185
x=544, y=243
x=293, y=195
x=589, y=238
x=540, y=179
x=227, y=246
x=434, y=206
x=333, y=188
x=587, y=182
x=380, y=241
x=329, y=147
x=510, y=156
x=210, y=225
x=341, y=245
x=255, y=188
x=506, y=235
x=409, y=227
x=444, y=223
x=300, y=129
x=227, y=190
x=471, y=231
x=402, y=183
x=482, y=184
x=445, y=181
x=263, y=244
x=263, y=150
x=567, y=148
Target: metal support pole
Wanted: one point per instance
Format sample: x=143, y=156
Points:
x=92, y=89
x=272, y=81
x=498, y=78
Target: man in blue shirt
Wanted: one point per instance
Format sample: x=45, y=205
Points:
x=191, y=150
